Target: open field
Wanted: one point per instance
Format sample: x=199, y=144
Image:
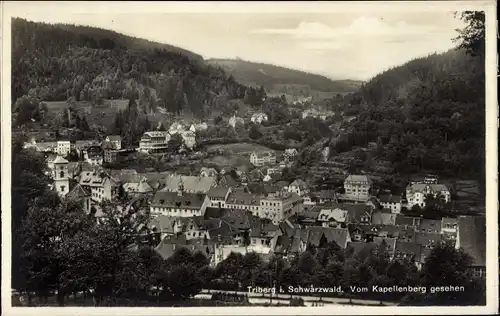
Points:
x=239, y=148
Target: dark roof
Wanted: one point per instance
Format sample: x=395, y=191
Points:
x=217, y=192
x=167, y=247
x=432, y=224
x=402, y=220
x=339, y=235
x=115, y=138
x=472, y=236
x=389, y=198
x=428, y=239
x=356, y=211
x=409, y=248
x=78, y=192
x=327, y=194
x=173, y=199
x=383, y=218
x=243, y=198
x=287, y=244
x=358, y=247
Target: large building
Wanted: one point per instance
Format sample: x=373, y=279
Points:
x=94, y=155
x=63, y=148
x=154, y=142
x=259, y=118
x=278, y=207
x=191, y=184
x=415, y=193
x=262, y=159
x=100, y=184
x=180, y=203
x=358, y=187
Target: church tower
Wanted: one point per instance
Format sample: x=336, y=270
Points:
x=61, y=176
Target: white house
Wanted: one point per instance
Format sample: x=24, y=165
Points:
x=261, y=159
x=392, y=202
x=299, y=187
x=415, y=193
x=177, y=128
x=357, y=187
x=154, y=142
x=63, y=148
x=259, y=118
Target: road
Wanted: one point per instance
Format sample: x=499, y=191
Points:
x=284, y=298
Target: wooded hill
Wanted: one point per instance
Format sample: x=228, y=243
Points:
x=427, y=114
x=57, y=62
x=280, y=79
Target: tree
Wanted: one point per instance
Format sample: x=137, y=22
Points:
x=183, y=282
x=254, y=132
x=472, y=36
x=175, y=143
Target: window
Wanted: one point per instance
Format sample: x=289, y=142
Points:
x=61, y=174
x=63, y=188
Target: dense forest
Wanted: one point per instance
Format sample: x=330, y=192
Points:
x=276, y=77
x=427, y=114
x=58, y=62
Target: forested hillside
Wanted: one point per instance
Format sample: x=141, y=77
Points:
x=281, y=79
x=57, y=62
x=427, y=114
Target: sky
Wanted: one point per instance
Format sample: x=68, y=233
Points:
x=340, y=44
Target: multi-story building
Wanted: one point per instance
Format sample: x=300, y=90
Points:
x=94, y=155
x=180, y=203
x=243, y=201
x=299, y=187
x=290, y=154
x=100, y=184
x=61, y=175
x=357, y=187
x=262, y=159
x=415, y=193
x=392, y=202
x=63, y=148
x=280, y=206
x=218, y=196
x=154, y=142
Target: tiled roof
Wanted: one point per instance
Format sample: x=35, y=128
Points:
x=383, y=218
x=115, y=138
x=138, y=187
x=339, y=235
x=164, y=224
x=172, y=199
x=358, y=178
x=356, y=211
x=217, y=192
x=389, y=198
x=402, y=220
x=472, y=236
x=430, y=225
x=390, y=242
x=191, y=183
x=60, y=160
x=420, y=187
x=78, y=192
x=409, y=248
x=301, y=184
x=242, y=198
x=428, y=239
x=358, y=247
x=328, y=213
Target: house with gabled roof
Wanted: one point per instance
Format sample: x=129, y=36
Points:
x=358, y=187
x=430, y=226
x=415, y=193
x=299, y=187
x=180, y=203
x=391, y=201
x=383, y=217
x=340, y=236
x=408, y=221
x=82, y=195
x=331, y=216
x=408, y=251
x=101, y=185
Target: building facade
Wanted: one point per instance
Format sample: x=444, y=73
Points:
x=154, y=142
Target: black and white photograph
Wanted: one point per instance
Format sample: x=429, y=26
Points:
x=249, y=158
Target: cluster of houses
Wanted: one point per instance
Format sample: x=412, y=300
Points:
x=206, y=213
x=157, y=141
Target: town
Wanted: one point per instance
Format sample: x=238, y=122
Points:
x=145, y=174
x=206, y=211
